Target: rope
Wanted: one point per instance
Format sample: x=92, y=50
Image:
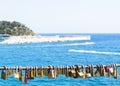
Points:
x=47, y=67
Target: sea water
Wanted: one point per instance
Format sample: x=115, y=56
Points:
x=101, y=49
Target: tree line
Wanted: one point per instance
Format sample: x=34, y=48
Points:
x=14, y=28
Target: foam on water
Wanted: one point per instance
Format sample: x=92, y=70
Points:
x=74, y=44
x=52, y=45
x=94, y=52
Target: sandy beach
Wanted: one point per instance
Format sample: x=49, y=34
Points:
x=38, y=39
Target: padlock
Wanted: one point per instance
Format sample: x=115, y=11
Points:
x=115, y=73
x=4, y=75
x=74, y=73
x=55, y=72
x=80, y=72
x=49, y=72
x=111, y=69
x=92, y=71
x=26, y=76
x=63, y=70
x=41, y=74
x=11, y=71
x=87, y=69
x=77, y=70
x=22, y=79
x=60, y=70
x=32, y=74
x=116, y=77
x=52, y=73
x=45, y=71
x=103, y=71
x=29, y=74
x=109, y=74
x=106, y=69
x=67, y=71
x=20, y=73
x=36, y=72
x=88, y=72
x=83, y=72
x=16, y=74
x=33, y=68
x=8, y=72
x=97, y=70
x=100, y=70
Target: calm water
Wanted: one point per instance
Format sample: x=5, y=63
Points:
x=101, y=49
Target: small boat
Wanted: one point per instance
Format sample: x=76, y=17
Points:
x=4, y=36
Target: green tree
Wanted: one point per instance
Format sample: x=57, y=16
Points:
x=14, y=28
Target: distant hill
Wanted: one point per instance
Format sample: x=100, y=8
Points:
x=14, y=28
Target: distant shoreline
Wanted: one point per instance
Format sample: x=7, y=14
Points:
x=38, y=39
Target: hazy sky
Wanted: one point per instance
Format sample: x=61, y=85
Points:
x=64, y=16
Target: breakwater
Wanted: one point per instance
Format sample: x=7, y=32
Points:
x=38, y=39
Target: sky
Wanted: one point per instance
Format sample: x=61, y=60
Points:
x=64, y=16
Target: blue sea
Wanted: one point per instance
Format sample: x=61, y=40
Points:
x=101, y=49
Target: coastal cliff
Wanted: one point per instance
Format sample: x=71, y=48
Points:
x=15, y=29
